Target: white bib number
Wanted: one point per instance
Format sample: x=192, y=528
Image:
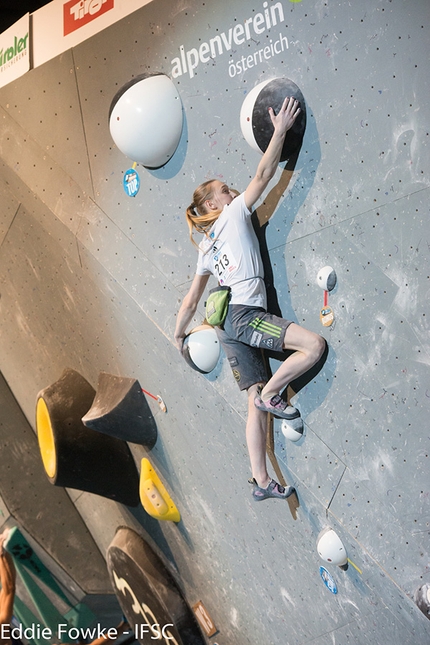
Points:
x=224, y=263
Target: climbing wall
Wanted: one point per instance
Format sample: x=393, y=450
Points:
x=92, y=279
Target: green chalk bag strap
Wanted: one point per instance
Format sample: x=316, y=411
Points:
x=217, y=305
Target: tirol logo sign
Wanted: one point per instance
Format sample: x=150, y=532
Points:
x=78, y=13
x=15, y=51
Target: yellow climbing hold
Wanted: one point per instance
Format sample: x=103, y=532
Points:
x=154, y=497
x=45, y=436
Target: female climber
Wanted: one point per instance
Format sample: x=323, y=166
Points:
x=230, y=251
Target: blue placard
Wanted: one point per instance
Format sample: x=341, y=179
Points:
x=328, y=580
x=131, y=182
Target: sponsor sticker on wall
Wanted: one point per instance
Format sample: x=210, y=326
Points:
x=77, y=13
x=15, y=51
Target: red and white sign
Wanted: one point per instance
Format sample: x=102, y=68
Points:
x=63, y=24
x=77, y=13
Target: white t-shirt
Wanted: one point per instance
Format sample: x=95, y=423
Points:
x=232, y=254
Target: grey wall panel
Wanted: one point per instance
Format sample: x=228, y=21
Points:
x=43, y=176
x=8, y=209
x=50, y=110
x=308, y=460
x=402, y=558
x=43, y=300
x=397, y=616
x=131, y=267
x=42, y=214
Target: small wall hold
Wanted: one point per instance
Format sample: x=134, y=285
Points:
x=154, y=497
x=422, y=599
x=202, y=348
x=326, y=278
x=158, y=398
x=255, y=121
x=292, y=430
x=146, y=119
x=121, y=410
x=330, y=548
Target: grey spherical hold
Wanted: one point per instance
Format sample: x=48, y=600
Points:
x=255, y=121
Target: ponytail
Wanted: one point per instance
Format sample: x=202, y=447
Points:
x=198, y=218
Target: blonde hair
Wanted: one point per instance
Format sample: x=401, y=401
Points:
x=197, y=215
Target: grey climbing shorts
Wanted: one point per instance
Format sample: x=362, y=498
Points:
x=247, y=331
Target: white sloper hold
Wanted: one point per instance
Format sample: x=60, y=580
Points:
x=326, y=278
x=146, y=119
x=202, y=348
x=331, y=549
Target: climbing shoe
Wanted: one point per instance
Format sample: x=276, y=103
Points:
x=277, y=406
x=273, y=490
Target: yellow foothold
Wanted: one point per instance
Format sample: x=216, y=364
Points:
x=46, y=439
x=134, y=165
x=154, y=497
x=355, y=566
